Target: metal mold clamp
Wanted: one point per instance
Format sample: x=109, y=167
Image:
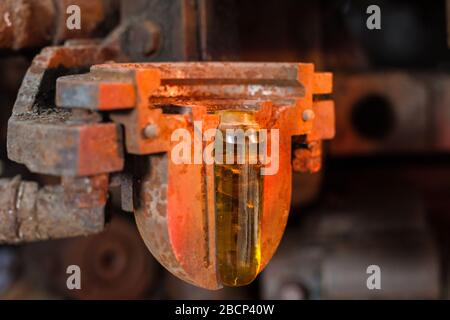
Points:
x=59, y=143
x=174, y=203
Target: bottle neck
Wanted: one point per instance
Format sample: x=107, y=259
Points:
x=237, y=118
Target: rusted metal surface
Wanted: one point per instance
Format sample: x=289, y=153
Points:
x=75, y=149
x=90, y=92
x=150, y=101
x=151, y=214
x=175, y=209
x=145, y=20
x=96, y=18
x=74, y=145
x=177, y=30
x=18, y=27
x=29, y=23
x=80, y=144
x=124, y=182
x=30, y=213
x=308, y=159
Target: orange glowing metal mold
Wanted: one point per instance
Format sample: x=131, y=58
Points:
x=175, y=207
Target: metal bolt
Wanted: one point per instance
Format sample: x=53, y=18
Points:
x=308, y=115
x=142, y=39
x=150, y=131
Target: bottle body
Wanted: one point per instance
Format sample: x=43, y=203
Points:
x=238, y=192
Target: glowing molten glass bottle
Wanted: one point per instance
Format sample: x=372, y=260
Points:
x=238, y=192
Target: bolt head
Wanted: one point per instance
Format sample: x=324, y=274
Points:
x=308, y=115
x=142, y=38
x=150, y=131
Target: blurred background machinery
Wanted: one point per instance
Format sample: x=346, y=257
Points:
x=382, y=198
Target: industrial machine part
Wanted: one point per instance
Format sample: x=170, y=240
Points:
x=115, y=264
x=337, y=243
x=174, y=206
x=391, y=112
x=32, y=213
x=29, y=213
x=19, y=29
x=174, y=203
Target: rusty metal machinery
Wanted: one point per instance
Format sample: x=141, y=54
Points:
x=116, y=264
x=90, y=139
x=18, y=27
x=391, y=112
x=114, y=124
